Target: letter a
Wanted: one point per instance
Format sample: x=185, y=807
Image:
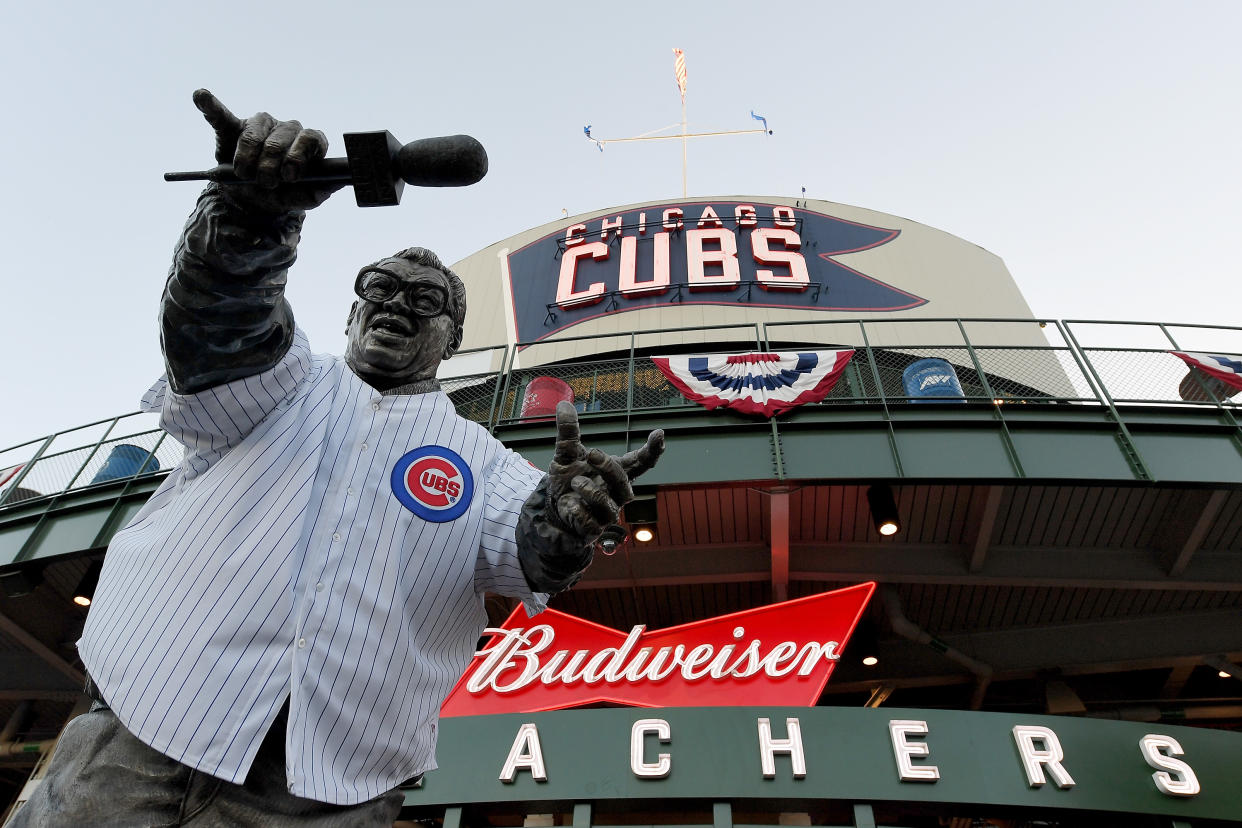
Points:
x=527, y=754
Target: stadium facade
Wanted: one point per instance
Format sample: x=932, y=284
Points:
x=1053, y=633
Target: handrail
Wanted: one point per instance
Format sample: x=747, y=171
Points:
x=1074, y=367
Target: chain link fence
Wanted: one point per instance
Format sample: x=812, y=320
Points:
x=1134, y=363
x=118, y=449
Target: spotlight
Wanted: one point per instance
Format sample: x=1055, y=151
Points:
x=1224, y=666
x=865, y=643
x=642, y=515
x=85, y=593
x=883, y=509
x=612, y=537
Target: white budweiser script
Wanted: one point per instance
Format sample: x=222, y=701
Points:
x=515, y=658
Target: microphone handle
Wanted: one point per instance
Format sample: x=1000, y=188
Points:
x=327, y=171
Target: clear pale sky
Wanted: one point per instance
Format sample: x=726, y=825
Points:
x=1094, y=146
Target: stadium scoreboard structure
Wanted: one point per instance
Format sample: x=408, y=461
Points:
x=1067, y=550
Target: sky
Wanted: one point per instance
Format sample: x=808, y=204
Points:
x=1094, y=146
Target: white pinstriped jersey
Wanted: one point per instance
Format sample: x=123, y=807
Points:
x=278, y=560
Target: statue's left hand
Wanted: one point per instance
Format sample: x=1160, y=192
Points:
x=586, y=487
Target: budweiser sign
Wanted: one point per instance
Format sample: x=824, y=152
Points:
x=781, y=654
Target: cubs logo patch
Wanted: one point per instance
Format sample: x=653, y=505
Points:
x=434, y=483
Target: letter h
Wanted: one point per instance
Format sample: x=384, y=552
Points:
x=769, y=747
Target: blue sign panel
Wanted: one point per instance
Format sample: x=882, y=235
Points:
x=717, y=253
x=932, y=378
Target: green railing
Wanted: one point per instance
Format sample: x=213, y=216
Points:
x=1110, y=365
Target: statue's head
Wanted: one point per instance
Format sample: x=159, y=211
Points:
x=408, y=318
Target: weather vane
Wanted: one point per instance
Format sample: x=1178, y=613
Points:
x=679, y=72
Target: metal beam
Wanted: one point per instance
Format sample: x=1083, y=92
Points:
x=1183, y=537
x=1105, y=645
x=779, y=531
x=1178, y=676
x=12, y=629
x=40, y=695
x=1224, y=665
x=890, y=562
x=1012, y=565
x=671, y=565
x=979, y=531
x=879, y=695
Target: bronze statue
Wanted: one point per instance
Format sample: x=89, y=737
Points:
x=274, y=632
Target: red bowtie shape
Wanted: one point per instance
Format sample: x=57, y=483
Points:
x=781, y=654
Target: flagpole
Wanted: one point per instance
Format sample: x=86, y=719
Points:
x=684, y=143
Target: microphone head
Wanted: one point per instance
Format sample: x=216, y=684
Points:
x=448, y=161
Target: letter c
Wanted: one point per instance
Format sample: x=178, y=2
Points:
x=664, y=762
x=566, y=295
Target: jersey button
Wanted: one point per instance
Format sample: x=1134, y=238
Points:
x=350, y=491
x=301, y=643
x=336, y=536
x=365, y=446
x=319, y=587
x=375, y=406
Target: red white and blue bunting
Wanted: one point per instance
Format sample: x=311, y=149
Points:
x=1227, y=369
x=764, y=384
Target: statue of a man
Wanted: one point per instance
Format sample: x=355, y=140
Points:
x=275, y=631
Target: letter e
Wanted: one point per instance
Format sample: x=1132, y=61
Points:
x=903, y=750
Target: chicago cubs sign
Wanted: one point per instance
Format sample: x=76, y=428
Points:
x=434, y=483
x=778, y=654
x=720, y=253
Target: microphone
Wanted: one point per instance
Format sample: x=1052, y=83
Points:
x=378, y=166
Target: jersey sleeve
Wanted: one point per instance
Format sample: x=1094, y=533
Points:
x=210, y=422
x=223, y=314
x=509, y=482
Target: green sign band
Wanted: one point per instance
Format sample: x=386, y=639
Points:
x=859, y=754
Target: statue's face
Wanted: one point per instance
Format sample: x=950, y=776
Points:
x=402, y=338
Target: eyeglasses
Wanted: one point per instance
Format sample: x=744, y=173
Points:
x=378, y=286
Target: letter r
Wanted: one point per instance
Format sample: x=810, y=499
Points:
x=1036, y=758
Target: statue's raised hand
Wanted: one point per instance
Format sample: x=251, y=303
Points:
x=586, y=487
x=274, y=153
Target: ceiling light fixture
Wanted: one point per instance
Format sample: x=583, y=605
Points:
x=642, y=515
x=85, y=593
x=883, y=509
